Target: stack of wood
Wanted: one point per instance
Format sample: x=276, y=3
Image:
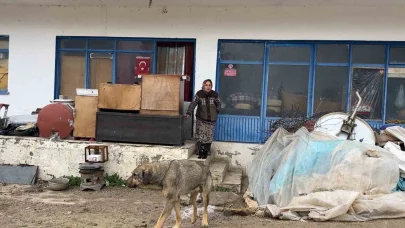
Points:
x=157, y=95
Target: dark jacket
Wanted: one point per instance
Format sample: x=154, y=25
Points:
x=205, y=112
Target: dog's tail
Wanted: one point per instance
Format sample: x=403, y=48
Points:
x=209, y=183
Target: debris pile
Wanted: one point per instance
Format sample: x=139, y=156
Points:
x=321, y=176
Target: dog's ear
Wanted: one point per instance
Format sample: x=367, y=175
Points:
x=146, y=176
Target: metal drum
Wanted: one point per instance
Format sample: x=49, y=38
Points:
x=56, y=118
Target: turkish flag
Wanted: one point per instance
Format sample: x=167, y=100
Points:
x=142, y=65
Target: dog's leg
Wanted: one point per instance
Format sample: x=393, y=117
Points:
x=205, y=196
x=178, y=214
x=166, y=212
x=193, y=199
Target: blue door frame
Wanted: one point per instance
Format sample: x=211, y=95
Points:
x=115, y=51
x=5, y=51
x=255, y=129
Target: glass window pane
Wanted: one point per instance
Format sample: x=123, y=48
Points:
x=67, y=43
x=101, y=44
x=397, y=55
x=135, y=45
x=369, y=54
x=125, y=73
x=72, y=73
x=369, y=83
x=171, y=60
x=330, y=91
x=287, y=90
x=332, y=53
x=290, y=54
x=4, y=43
x=396, y=95
x=100, y=69
x=241, y=91
x=242, y=51
x=3, y=71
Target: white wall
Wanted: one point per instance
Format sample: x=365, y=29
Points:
x=33, y=29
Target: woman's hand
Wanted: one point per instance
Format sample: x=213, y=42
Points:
x=186, y=116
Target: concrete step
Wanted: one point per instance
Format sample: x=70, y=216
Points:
x=206, y=161
x=218, y=169
x=190, y=148
x=232, y=181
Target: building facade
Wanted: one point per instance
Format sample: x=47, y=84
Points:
x=266, y=59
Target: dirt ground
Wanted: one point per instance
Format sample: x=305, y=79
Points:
x=24, y=206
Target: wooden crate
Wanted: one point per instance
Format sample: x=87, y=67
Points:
x=119, y=97
x=162, y=95
x=135, y=128
x=85, y=116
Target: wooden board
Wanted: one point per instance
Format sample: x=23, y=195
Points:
x=162, y=93
x=159, y=112
x=119, y=97
x=72, y=71
x=85, y=116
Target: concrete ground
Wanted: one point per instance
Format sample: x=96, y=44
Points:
x=22, y=206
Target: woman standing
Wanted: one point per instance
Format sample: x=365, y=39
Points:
x=208, y=106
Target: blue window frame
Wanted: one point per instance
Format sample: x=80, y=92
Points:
x=83, y=49
x=347, y=65
x=4, y=62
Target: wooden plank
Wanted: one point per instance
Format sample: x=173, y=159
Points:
x=161, y=92
x=85, y=116
x=159, y=112
x=119, y=97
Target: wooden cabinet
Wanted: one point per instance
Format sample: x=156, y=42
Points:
x=135, y=128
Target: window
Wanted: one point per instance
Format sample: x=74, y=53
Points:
x=101, y=68
x=4, y=47
x=307, y=78
x=241, y=78
x=288, y=77
x=125, y=73
x=242, y=51
x=367, y=78
x=289, y=54
x=330, y=93
x=87, y=62
x=395, y=108
x=287, y=90
x=332, y=53
x=130, y=45
x=72, y=72
x=369, y=54
x=331, y=78
x=397, y=55
x=241, y=93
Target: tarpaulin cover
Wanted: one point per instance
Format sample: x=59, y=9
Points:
x=328, y=178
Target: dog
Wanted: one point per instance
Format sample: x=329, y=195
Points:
x=176, y=177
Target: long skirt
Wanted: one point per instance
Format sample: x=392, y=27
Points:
x=204, y=131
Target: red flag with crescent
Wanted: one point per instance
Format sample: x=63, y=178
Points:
x=142, y=65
